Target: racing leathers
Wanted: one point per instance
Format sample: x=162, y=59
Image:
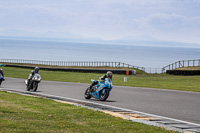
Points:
x=33, y=72
x=96, y=82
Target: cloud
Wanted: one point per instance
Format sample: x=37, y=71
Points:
x=171, y=22
x=108, y=19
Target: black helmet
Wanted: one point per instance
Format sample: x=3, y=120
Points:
x=109, y=74
x=37, y=69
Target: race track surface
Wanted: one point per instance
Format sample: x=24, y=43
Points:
x=168, y=103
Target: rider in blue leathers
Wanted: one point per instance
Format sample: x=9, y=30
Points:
x=107, y=75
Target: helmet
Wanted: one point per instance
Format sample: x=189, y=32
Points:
x=37, y=69
x=1, y=70
x=109, y=74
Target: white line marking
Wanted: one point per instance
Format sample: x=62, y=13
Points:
x=77, y=100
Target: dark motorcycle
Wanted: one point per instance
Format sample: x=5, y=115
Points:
x=1, y=78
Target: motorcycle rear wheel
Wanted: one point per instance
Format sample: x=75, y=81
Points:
x=104, y=96
x=87, y=93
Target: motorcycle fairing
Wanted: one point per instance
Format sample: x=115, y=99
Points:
x=101, y=86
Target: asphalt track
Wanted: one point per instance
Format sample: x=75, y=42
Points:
x=179, y=105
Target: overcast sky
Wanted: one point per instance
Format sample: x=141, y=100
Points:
x=173, y=20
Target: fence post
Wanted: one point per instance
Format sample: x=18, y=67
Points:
x=176, y=65
x=163, y=70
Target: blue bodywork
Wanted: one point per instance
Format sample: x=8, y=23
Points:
x=102, y=85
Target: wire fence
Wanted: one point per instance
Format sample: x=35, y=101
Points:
x=73, y=63
x=182, y=63
x=178, y=64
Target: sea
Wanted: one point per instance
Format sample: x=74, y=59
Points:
x=152, y=58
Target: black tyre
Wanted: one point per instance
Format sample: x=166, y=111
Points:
x=35, y=86
x=29, y=86
x=104, y=96
x=87, y=93
x=0, y=82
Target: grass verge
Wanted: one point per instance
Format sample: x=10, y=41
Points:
x=189, y=68
x=29, y=114
x=162, y=81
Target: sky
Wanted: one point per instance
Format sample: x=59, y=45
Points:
x=172, y=20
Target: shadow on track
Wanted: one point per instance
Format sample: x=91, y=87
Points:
x=101, y=101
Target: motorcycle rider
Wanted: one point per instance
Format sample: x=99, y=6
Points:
x=107, y=75
x=33, y=72
x=1, y=73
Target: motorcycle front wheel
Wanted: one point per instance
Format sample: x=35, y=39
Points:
x=104, y=96
x=29, y=86
x=35, y=86
x=87, y=94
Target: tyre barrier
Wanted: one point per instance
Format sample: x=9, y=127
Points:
x=84, y=70
x=183, y=72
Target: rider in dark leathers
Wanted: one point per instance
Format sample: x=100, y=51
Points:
x=107, y=75
x=1, y=75
x=1, y=72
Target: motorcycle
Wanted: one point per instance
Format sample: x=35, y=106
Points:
x=33, y=83
x=1, y=78
x=100, y=91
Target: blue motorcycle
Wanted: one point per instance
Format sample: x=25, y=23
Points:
x=100, y=91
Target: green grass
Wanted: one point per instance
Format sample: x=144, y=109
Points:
x=189, y=68
x=163, y=81
x=29, y=114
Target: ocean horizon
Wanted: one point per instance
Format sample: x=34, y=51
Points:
x=142, y=56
